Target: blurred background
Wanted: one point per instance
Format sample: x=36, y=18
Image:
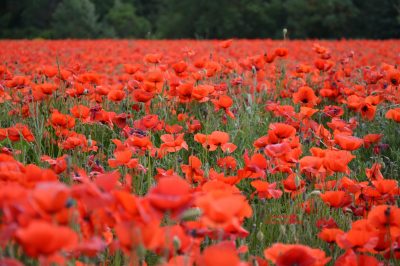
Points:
x=200, y=19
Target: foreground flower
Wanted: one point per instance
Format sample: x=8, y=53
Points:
x=289, y=255
x=393, y=114
x=171, y=194
x=40, y=238
x=305, y=96
x=221, y=254
x=223, y=207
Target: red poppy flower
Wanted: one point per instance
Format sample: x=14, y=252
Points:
x=336, y=199
x=305, y=96
x=384, y=217
x=132, y=235
x=288, y=255
x=91, y=247
x=224, y=102
x=46, y=88
x=149, y=122
x=214, y=140
x=226, y=44
x=193, y=172
x=116, y=95
x=170, y=194
x=131, y=68
x=393, y=114
x=333, y=111
x=329, y=234
x=255, y=166
x=221, y=254
x=393, y=77
x=142, y=96
x=40, y=238
x=180, y=260
x=227, y=162
x=281, y=52
x=153, y=58
x=51, y=197
x=348, y=143
x=351, y=258
x=326, y=223
x=294, y=185
x=367, y=111
x=337, y=160
x=173, y=143
x=370, y=139
x=10, y=262
x=60, y=120
x=179, y=67
x=312, y=166
x=224, y=209
x=361, y=237
x=14, y=133
x=200, y=93
x=265, y=190
x=80, y=111
x=279, y=131
x=374, y=173
x=323, y=65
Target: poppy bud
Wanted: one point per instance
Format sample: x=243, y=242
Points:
x=176, y=242
x=348, y=210
x=141, y=251
x=282, y=229
x=191, y=214
x=297, y=181
x=315, y=192
x=260, y=236
x=90, y=141
x=249, y=99
x=254, y=70
x=284, y=31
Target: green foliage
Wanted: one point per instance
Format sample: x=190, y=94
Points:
x=377, y=19
x=320, y=19
x=200, y=18
x=102, y=7
x=218, y=19
x=75, y=19
x=122, y=17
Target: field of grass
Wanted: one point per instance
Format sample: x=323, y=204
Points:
x=236, y=152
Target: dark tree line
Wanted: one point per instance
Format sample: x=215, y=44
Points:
x=378, y=19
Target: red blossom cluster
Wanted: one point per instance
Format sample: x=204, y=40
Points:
x=112, y=148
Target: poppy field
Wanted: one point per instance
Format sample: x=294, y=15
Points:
x=208, y=153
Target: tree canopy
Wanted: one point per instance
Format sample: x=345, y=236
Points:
x=202, y=19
